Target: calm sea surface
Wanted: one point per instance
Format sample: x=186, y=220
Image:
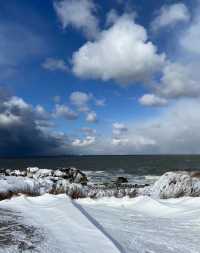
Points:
x=136, y=165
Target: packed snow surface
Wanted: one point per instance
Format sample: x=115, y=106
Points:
x=146, y=225
x=139, y=225
x=66, y=229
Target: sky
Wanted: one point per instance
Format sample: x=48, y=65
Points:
x=85, y=77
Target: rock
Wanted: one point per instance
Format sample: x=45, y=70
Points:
x=5, y=195
x=78, y=177
x=76, y=191
x=7, y=172
x=31, y=171
x=41, y=173
x=175, y=185
x=2, y=171
x=59, y=173
x=195, y=174
x=121, y=180
x=65, y=170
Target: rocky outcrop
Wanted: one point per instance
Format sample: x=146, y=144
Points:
x=34, y=181
x=76, y=191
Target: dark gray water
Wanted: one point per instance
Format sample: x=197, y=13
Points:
x=137, y=165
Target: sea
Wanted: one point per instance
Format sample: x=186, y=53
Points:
x=133, y=164
x=137, y=168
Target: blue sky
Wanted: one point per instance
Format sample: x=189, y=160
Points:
x=99, y=77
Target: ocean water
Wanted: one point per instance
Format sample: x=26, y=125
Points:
x=138, y=169
x=132, y=164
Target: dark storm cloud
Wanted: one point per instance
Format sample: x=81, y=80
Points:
x=25, y=130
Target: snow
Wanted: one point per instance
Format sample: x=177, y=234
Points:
x=143, y=224
x=32, y=169
x=126, y=225
x=67, y=229
x=164, y=217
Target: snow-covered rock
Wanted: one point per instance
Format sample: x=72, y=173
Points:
x=176, y=184
x=73, y=182
x=59, y=173
x=31, y=171
x=41, y=173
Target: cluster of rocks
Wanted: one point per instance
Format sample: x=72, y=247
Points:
x=72, y=174
x=34, y=181
x=76, y=191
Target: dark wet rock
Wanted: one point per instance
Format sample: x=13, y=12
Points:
x=195, y=174
x=78, y=177
x=121, y=180
x=6, y=195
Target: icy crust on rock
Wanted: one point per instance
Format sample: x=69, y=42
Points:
x=73, y=182
x=35, y=181
x=175, y=185
x=78, y=191
x=29, y=186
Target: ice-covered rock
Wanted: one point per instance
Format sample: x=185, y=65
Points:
x=59, y=173
x=41, y=173
x=34, y=181
x=76, y=176
x=176, y=184
x=31, y=171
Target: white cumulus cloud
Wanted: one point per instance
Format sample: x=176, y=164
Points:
x=122, y=53
x=89, y=140
x=119, y=128
x=170, y=15
x=65, y=112
x=190, y=38
x=91, y=117
x=179, y=80
x=53, y=64
x=80, y=14
x=80, y=100
x=152, y=100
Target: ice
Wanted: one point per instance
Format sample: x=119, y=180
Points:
x=176, y=184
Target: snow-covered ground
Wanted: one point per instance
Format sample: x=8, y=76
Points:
x=139, y=225
x=65, y=228
x=146, y=225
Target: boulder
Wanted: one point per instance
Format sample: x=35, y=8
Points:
x=31, y=171
x=41, y=173
x=121, y=180
x=78, y=177
x=59, y=173
x=175, y=185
